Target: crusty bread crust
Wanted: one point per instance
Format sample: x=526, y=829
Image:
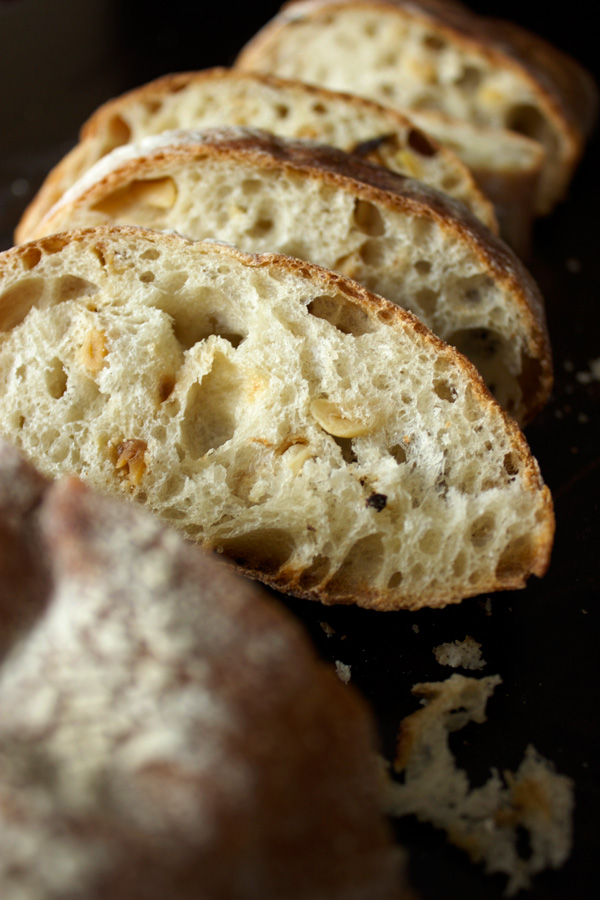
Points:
x=221, y=96
x=319, y=437
x=562, y=92
x=241, y=155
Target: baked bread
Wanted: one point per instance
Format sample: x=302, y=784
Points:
x=437, y=54
x=394, y=235
x=314, y=434
x=167, y=731
x=507, y=167
x=220, y=96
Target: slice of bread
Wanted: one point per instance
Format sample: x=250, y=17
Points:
x=438, y=55
x=317, y=436
x=400, y=239
x=219, y=96
x=166, y=729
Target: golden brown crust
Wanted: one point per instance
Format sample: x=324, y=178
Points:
x=371, y=183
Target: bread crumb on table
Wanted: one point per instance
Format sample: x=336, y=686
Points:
x=465, y=654
x=486, y=822
x=343, y=671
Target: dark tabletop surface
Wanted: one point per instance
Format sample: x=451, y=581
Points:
x=58, y=61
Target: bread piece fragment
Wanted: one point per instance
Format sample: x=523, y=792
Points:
x=312, y=433
x=396, y=236
x=484, y=821
x=167, y=731
x=219, y=96
x=438, y=55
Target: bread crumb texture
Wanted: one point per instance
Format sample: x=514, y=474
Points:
x=486, y=822
x=464, y=654
x=165, y=730
x=311, y=433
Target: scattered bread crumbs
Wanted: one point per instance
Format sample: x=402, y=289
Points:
x=326, y=627
x=487, y=822
x=592, y=374
x=415, y=628
x=460, y=654
x=343, y=671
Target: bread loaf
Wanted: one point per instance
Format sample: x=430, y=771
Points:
x=315, y=435
x=438, y=55
x=197, y=100
x=165, y=729
x=394, y=235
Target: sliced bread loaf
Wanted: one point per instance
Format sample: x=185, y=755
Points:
x=312, y=433
x=198, y=100
x=158, y=711
x=400, y=239
x=438, y=55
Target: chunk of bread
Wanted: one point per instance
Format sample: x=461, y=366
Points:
x=166, y=730
x=197, y=100
x=394, y=235
x=488, y=821
x=438, y=55
x=314, y=434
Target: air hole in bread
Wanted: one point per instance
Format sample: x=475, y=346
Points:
x=146, y=200
x=16, y=302
x=340, y=312
x=361, y=564
x=444, y=390
x=30, y=257
x=433, y=42
x=56, y=378
x=150, y=253
x=395, y=580
x=420, y=143
x=118, y=133
x=368, y=219
x=261, y=227
x=71, y=287
x=450, y=183
x=245, y=474
x=345, y=445
x=482, y=529
x=516, y=560
x=319, y=109
x=526, y=119
x=398, y=451
x=511, y=465
x=460, y=564
x=54, y=244
x=251, y=186
x=190, y=328
x=315, y=573
x=423, y=266
x=265, y=550
x=373, y=253
x=147, y=277
x=426, y=302
x=469, y=79
x=166, y=386
x=209, y=418
x=421, y=231
x=431, y=541
x=282, y=111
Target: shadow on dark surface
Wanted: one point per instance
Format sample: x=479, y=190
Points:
x=58, y=61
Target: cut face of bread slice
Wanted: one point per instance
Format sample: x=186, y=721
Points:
x=397, y=237
x=315, y=435
x=197, y=100
x=507, y=167
x=437, y=55
x=159, y=710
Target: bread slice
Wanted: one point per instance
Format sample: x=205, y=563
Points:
x=394, y=235
x=438, y=55
x=507, y=167
x=166, y=730
x=315, y=435
x=197, y=100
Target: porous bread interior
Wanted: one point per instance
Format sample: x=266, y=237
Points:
x=317, y=442
x=395, y=57
x=409, y=258
x=290, y=110
x=298, y=112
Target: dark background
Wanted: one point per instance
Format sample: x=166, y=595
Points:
x=59, y=59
